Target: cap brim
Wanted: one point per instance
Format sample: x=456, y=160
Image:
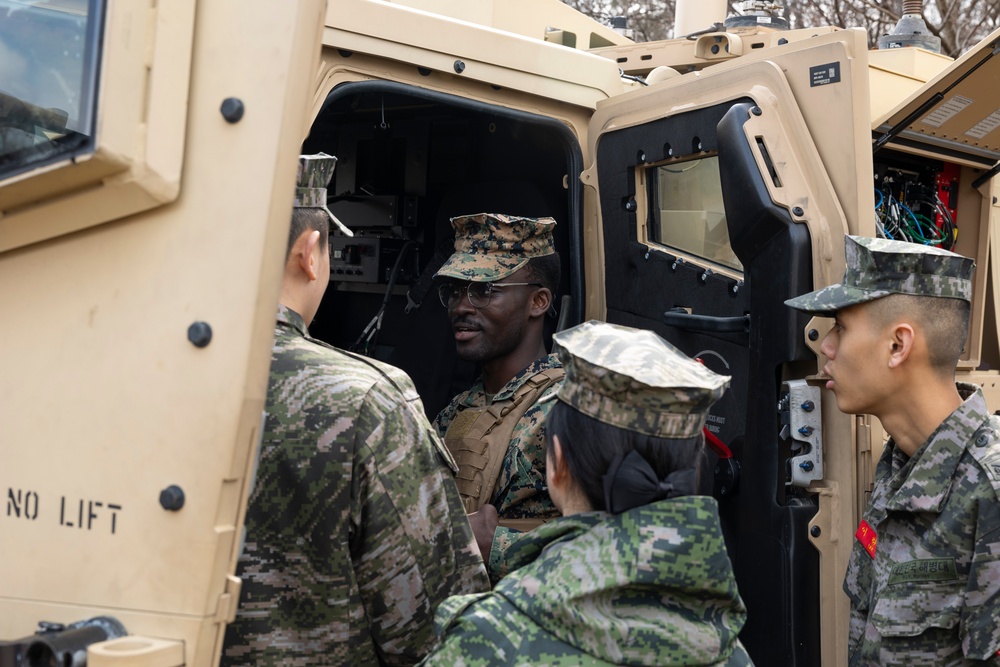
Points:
x=830, y=299
x=478, y=269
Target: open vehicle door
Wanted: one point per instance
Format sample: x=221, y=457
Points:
x=719, y=198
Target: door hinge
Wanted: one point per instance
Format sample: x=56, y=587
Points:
x=225, y=611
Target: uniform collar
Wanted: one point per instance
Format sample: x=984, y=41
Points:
x=289, y=317
x=478, y=393
x=922, y=483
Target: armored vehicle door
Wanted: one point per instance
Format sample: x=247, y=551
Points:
x=718, y=199
x=147, y=170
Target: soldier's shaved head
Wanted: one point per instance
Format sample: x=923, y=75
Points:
x=308, y=219
x=944, y=322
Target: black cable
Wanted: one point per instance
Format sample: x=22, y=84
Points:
x=371, y=331
x=630, y=77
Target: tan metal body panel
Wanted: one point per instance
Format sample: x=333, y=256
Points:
x=965, y=118
x=596, y=305
x=688, y=55
x=898, y=73
x=488, y=55
x=847, y=170
x=988, y=381
x=991, y=328
x=335, y=69
x=974, y=241
x=835, y=521
x=135, y=652
x=530, y=18
x=851, y=180
x=692, y=16
x=104, y=398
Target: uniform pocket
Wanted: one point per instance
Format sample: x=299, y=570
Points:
x=911, y=609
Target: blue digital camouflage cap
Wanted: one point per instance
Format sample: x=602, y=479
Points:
x=635, y=380
x=491, y=246
x=315, y=172
x=880, y=267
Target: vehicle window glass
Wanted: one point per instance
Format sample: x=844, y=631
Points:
x=49, y=53
x=687, y=212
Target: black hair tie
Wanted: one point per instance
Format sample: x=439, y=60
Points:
x=632, y=482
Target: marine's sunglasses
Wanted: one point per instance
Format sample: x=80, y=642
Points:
x=479, y=293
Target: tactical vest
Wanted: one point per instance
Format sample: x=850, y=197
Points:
x=478, y=439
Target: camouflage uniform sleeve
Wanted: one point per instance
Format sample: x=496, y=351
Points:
x=857, y=587
x=503, y=539
x=980, y=629
x=410, y=540
x=443, y=419
x=478, y=631
x=488, y=631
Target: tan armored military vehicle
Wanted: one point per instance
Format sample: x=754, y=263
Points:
x=147, y=155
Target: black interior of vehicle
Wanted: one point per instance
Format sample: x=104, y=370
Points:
x=408, y=160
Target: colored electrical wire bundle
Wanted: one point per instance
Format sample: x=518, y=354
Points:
x=897, y=220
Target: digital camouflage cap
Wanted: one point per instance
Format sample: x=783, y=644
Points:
x=315, y=172
x=491, y=246
x=635, y=380
x=880, y=267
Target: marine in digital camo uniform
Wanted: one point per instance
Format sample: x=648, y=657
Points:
x=924, y=572
x=355, y=530
x=648, y=582
x=496, y=429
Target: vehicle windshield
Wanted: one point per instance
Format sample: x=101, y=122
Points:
x=49, y=56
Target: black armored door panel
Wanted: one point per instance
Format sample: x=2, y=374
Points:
x=697, y=251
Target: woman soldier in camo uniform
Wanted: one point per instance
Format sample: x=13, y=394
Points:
x=635, y=572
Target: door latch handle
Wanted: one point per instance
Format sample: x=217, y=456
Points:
x=681, y=319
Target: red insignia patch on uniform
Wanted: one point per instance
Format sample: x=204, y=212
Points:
x=868, y=537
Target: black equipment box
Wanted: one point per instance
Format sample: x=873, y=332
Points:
x=376, y=211
x=365, y=259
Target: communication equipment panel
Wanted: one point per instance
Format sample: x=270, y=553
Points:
x=372, y=259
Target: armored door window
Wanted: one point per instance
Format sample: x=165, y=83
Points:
x=49, y=53
x=687, y=212
x=93, y=112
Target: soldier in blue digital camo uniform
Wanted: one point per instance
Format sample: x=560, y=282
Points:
x=355, y=530
x=636, y=571
x=498, y=286
x=924, y=573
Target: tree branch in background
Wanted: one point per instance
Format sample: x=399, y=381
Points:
x=959, y=23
